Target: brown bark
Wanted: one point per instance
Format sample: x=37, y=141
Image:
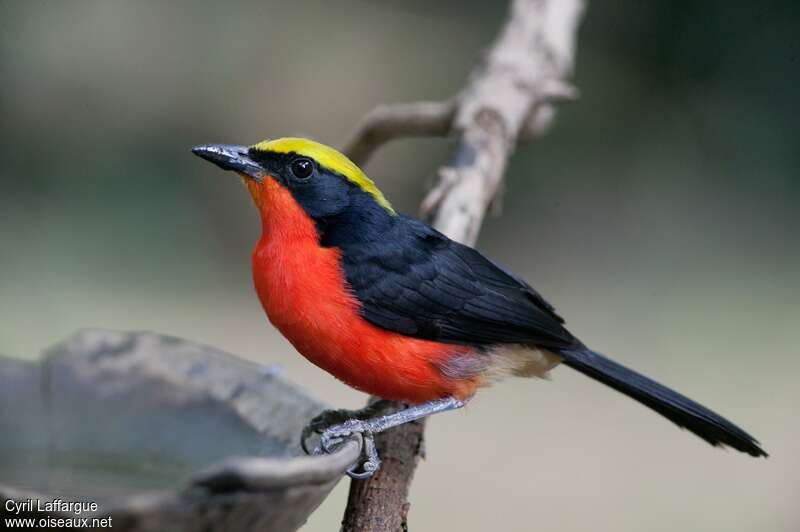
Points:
x=380, y=503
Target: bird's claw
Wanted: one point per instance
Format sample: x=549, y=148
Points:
x=371, y=462
x=321, y=423
x=336, y=435
x=364, y=424
x=332, y=418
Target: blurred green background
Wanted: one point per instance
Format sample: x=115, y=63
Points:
x=660, y=215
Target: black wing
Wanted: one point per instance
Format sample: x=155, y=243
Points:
x=417, y=282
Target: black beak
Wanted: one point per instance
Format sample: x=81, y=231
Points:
x=230, y=157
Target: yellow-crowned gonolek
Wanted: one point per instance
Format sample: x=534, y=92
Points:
x=396, y=309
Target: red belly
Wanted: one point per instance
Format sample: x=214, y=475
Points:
x=303, y=290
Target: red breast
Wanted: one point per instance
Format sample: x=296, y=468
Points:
x=304, y=292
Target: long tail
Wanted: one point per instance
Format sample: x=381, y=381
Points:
x=679, y=409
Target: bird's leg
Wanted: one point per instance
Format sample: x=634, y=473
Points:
x=329, y=418
x=367, y=428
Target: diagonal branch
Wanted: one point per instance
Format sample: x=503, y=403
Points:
x=510, y=95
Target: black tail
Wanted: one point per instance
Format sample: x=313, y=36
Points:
x=681, y=410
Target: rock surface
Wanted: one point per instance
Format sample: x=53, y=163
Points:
x=163, y=434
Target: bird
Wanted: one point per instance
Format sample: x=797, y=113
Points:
x=396, y=309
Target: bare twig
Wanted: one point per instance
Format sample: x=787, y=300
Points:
x=387, y=122
x=510, y=95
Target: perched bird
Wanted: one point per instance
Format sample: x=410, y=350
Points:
x=396, y=309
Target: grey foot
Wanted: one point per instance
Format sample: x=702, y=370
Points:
x=365, y=426
x=329, y=418
x=334, y=436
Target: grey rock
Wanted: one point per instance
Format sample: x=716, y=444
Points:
x=163, y=434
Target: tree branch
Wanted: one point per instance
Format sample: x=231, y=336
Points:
x=387, y=122
x=510, y=95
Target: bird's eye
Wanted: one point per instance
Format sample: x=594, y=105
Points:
x=302, y=168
